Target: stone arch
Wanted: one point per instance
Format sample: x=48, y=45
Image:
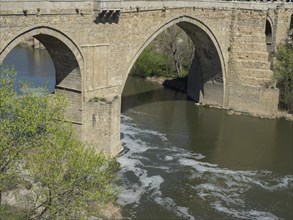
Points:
x=269, y=34
x=207, y=57
x=67, y=60
x=41, y=29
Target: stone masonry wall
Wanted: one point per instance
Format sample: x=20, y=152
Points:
x=251, y=85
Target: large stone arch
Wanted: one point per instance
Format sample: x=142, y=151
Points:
x=204, y=56
x=67, y=60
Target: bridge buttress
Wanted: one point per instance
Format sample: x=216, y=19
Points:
x=251, y=86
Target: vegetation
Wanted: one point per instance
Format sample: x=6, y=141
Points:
x=150, y=63
x=283, y=73
x=169, y=55
x=57, y=175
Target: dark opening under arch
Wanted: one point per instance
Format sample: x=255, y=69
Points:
x=269, y=35
x=205, y=76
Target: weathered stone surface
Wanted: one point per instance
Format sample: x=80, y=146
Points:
x=94, y=45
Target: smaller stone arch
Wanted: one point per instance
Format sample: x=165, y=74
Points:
x=67, y=59
x=41, y=29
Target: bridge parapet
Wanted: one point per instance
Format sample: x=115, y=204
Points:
x=107, y=5
x=26, y=7
x=38, y=7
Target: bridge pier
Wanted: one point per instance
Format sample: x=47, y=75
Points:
x=251, y=85
x=101, y=123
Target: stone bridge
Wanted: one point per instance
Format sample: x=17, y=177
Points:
x=94, y=44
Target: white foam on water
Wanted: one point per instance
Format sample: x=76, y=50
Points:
x=168, y=158
x=127, y=163
x=262, y=215
x=224, y=189
x=152, y=182
x=184, y=213
x=134, y=192
x=285, y=182
x=169, y=204
x=131, y=162
x=229, y=193
x=125, y=118
x=243, y=214
x=129, y=196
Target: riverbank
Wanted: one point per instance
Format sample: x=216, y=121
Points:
x=180, y=85
x=177, y=84
x=16, y=202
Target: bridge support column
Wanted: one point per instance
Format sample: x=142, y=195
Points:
x=101, y=123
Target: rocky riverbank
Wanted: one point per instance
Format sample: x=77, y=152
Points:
x=178, y=84
x=16, y=202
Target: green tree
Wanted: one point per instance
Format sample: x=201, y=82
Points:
x=149, y=63
x=25, y=120
x=66, y=178
x=75, y=180
x=283, y=73
x=169, y=55
x=176, y=46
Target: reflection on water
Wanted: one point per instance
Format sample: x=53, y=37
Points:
x=186, y=162
x=34, y=66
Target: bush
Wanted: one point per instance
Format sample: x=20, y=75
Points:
x=149, y=63
x=283, y=73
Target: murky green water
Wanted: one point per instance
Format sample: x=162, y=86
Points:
x=182, y=161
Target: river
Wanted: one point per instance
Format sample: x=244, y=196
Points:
x=182, y=161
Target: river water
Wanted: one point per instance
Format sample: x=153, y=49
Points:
x=181, y=161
